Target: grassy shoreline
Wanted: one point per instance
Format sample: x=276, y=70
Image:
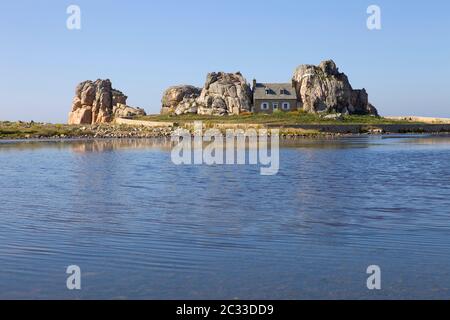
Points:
x=293, y=124
x=33, y=130
x=28, y=130
x=279, y=118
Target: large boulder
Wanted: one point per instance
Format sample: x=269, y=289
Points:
x=179, y=99
x=225, y=93
x=97, y=102
x=123, y=111
x=118, y=97
x=324, y=89
x=81, y=116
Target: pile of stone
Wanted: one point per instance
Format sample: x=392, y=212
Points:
x=98, y=102
x=223, y=94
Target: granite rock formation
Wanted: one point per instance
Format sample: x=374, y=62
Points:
x=121, y=110
x=180, y=100
x=223, y=93
x=324, y=89
x=97, y=102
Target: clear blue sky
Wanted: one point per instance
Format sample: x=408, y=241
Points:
x=146, y=46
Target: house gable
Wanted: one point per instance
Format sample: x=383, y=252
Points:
x=274, y=91
x=268, y=97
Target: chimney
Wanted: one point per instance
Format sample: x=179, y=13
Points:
x=254, y=84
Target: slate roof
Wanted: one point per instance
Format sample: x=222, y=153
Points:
x=278, y=91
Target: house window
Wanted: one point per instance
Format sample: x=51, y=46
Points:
x=275, y=105
x=286, y=106
x=264, y=106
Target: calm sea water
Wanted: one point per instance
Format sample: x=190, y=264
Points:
x=142, y=228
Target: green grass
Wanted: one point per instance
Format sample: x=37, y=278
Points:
x=21, y=130
x=281, y=118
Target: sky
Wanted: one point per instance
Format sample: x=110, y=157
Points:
x=146, y=46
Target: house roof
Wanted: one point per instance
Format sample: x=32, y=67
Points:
x=278, y=91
